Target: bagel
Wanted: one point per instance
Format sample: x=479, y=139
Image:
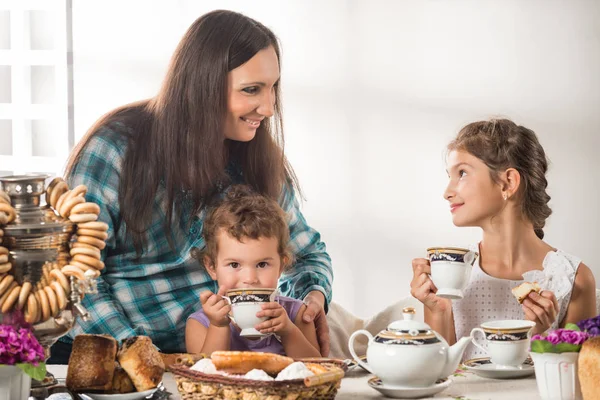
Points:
x=61, y=279
x=3, y=220
x=91, y=261
x=102, y=235
x=45, y=303
x=52, y=301
x=77, y=245
x=242, y=362
x=5, y=283
x=79, y=190
x=95, y=225
x=60, y=189
x=78, y=218
x=88, y=251
x=24, y=295
x=100, y=244
x=69, y=204
x=3, y=250
x=11, y=299
x=61, y=200
x=86, y=208
x=31, y=309
x=51, y=186
x=71, y=270
x=5, y=267
x=61, y=296
x=9, y=211
x=38, y=315
x=7, y=293
x=81, y=265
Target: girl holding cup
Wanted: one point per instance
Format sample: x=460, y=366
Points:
x=497, y=182
x=246, y=239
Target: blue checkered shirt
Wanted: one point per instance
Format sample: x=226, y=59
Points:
x=154, y=294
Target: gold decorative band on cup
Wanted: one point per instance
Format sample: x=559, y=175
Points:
x=409, y=310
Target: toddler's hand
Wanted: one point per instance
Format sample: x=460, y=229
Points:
x=215, y=307
x=423, y=289
x=278, y=321
x=542, y=309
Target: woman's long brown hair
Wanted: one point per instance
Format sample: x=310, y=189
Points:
x=176, y=139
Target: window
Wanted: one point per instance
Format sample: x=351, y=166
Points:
x=36, y=96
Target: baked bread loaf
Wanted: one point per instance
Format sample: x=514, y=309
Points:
x=242, y=362
x=522, y=291
x=92, y=363
x=589, y=369
x=180, y=358
x=121, y=381
x=142, y=362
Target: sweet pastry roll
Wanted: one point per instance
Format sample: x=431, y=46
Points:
x=142, y=362
x=242, y=362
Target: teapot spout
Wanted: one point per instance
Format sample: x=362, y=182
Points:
x=455, y=353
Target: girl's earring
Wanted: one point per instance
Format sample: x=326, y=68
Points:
x=504, y=196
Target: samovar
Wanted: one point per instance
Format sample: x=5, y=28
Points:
x=40, y=240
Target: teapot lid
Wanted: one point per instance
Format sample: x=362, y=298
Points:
x=408, y=323
x=407, y=331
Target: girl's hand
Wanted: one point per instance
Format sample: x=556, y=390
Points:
x=423, y=289
x=215, y=307
x=278, y=321
x=542, y=309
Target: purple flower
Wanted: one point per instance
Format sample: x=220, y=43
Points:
x=538, y=337
x=553, y=337
x=19, y=346
x=573, y=337
x=590, y=325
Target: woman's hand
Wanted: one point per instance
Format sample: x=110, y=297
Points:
x=315, y=311
x=215, y=307
x=542, y=309
x=423, y=289
x=279, y=322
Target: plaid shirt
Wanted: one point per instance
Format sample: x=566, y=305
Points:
x=154, y=294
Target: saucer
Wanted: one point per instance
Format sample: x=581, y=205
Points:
x=353, y=364
x=253, y=334
x=123, y=396
x=398, y=392
x=484, y=368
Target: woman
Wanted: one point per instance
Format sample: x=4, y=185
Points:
x=154, y=166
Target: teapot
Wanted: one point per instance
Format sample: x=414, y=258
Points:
x=409, y=354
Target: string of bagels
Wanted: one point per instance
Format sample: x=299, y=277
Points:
x=50, y=295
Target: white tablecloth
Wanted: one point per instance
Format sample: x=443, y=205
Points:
x=465, y=386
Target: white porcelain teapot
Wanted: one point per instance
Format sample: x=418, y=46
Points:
x=409, y=354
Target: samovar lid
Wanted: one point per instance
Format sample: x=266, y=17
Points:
x=25, y=192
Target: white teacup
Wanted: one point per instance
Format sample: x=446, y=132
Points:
x=245, y=304
x=507, y=341
x=451, y=270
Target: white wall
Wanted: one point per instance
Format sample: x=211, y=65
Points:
x=373, y=91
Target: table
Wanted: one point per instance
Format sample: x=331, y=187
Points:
x=465, y=386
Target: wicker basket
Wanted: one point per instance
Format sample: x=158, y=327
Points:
x=199, y=386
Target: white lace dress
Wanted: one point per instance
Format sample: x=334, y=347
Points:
x=487, y=298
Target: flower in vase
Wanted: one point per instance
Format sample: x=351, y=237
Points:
x=590, y=325
x=19, y=347
x=564, y=340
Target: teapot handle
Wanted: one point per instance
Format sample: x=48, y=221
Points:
x=351, y=347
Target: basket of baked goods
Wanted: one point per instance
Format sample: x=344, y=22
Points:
x=98, y=366
x=248, y=375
